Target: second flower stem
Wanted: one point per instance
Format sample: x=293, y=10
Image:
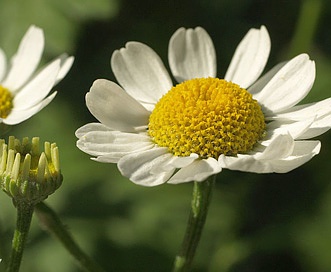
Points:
x=51, y=222
x=202, y=192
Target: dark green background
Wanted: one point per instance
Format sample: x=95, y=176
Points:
x=256, y=223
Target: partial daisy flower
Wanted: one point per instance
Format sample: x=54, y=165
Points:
x=158, y=133
x=23, y=92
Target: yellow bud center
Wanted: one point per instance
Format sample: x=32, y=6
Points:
x=6, y=102
x=207, y=116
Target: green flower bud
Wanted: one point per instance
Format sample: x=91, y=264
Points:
x=26, y=174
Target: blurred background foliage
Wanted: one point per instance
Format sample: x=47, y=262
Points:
x=259, y=223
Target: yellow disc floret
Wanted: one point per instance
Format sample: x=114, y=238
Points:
x=6, y=102
x=207, y=116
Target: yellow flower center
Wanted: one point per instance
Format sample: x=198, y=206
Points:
x=6, y=102
x=207, y=116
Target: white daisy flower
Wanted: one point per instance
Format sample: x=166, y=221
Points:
x=158, y=133
x=23, y=92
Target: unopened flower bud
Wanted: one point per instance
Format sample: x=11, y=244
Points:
x=26, y=174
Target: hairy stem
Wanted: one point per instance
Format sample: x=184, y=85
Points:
x=23, y=222
x=53, y=225
x=202, y=192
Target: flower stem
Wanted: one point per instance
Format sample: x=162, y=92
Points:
x=24, y=216
x=202, y=192
x=53, y=225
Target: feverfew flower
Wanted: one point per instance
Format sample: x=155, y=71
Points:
x=23, y=92
x=158, y=133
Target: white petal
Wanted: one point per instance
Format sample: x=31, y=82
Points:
x=245, y=163
x=191, y=54
x=176, y=162
x=26, y=60
x=295, y=129
x=163, y=165
x=262, y=81
x=38, y=88
x=66, y=63
x=199, y=170
x=320, y=126
x=113, y=144
x=180, y=162
x=114, y=157
x=302, y=152
x=319, y=111
x=138, y=167
x=280, y=147
x=107, y=159
x=18, y=116
x=108, y=141
x=113, y=107
x=302, y=112
x=3, y=64
x=90, y=128
x=249, y=58
x=289, y=85
x=140, y=71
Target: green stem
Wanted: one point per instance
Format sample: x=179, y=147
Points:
x=306, y=26
x=53, y=225
x=24, y=216
x=202, y=192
